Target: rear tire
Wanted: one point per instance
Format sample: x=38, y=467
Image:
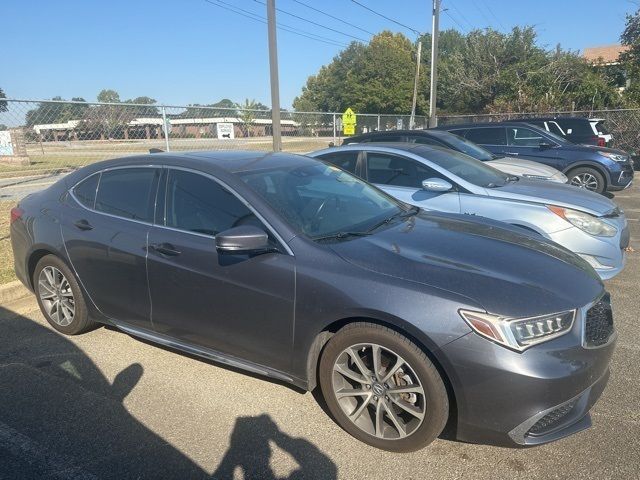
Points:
x=391, y=396
x=587, y=178
x=60, y=297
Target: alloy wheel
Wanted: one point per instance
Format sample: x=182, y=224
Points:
x=585, y=180
x=378, y=391
x=56, y=296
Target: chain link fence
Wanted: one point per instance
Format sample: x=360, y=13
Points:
x=40, y=137
x=624, y=125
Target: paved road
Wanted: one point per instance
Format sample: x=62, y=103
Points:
x=105, y=405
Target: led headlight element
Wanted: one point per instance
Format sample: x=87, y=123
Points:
x=585, y=222
x=519, y=333
x=614, y=156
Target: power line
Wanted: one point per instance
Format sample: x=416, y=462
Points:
x=387, y=18
x=446, y=12
x=334, y=17
x=453, y=5
x=486, y=5
x=286, y=28
x=315, y=23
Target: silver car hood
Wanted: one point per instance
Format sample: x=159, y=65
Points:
x=518, y=166
x=550, y=193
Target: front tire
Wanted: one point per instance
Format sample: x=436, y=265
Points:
x=382, y=389
x=587, y=178
x=59, y=296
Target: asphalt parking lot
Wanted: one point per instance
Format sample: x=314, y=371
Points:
x=106, y=405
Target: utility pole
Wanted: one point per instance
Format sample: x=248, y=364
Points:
x=273, y=71
x=412, y=119
x=433, y=120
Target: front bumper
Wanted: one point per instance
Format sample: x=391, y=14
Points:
x=501, y=394
x=606, y=255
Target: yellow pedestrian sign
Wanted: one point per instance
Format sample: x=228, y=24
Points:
x=349, y=122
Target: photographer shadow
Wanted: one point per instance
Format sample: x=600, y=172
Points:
x=250, y=451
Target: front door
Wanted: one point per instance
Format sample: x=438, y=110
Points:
x=402, y=178
x=241, y=305
x=105, y=235
x=525, y=143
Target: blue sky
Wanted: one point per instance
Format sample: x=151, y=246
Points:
x=190, y=51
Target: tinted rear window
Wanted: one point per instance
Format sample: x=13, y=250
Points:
x=578, y=127
x=487, y=136
x=85, y=191
x=128, y=193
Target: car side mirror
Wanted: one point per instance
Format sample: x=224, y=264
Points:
x=436, y=185
x=243, y=239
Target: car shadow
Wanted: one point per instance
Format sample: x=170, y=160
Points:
x=60, y=417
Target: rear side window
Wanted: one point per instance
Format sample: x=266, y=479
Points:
x=554, y=128
x=128, y=193
x=85, y=191
x=487, y=136
x=196, y=203
x=344, y=160
x=577, y=126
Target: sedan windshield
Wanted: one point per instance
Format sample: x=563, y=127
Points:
x=466, y=167
x=323, y=201
x=463, y=145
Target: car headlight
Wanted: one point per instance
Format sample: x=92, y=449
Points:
x=535, y=177
x=585, y=222
x=616, y=157
x=519, y=333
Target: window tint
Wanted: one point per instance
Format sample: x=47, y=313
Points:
x=128, y=193
x=198, y=204
x=554, y=128
x=424, y=140
x=387, y=138
x=344, y=160
x=487, y=136
x=401, y=172
x=85, y=191
x=577, y=126
x=523, y=137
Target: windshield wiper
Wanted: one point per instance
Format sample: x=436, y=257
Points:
x=341, y=235
x=413, y=210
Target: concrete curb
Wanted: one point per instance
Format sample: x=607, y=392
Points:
x=12, y=291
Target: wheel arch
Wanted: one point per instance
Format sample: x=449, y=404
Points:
x=422, y=341
x=37, y=253
x=593, y=165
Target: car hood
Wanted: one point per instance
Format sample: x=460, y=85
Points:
x=518, y=166
x=504, y=270
x=559, y=194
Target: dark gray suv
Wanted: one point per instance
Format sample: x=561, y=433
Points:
x=294, y=269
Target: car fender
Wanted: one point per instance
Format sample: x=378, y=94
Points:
x=591, y=164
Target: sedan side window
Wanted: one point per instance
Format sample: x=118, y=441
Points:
x=85, y=191
x=387, y=169
x=523, y=137
x=195, y=203
x=128, y=193
x=344, y=160
x=487, y=136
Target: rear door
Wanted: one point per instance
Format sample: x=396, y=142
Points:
x=402, y=178
x=523, y=142
x=493, y=139
x=105, y=231
x=241, y=305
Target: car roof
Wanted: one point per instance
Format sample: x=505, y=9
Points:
x=416, y=148
x=231, y=161
x=546, y=119
x=505, y=123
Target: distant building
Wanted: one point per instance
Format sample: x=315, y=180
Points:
x=605, y=54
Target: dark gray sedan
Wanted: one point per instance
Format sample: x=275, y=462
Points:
x=294, y=269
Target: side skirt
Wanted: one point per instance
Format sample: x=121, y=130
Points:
x=209, y=354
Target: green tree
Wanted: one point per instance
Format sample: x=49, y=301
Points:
x=247, y=113
x=108, y=96
x=140, y=111
x=56, y=111
x=377, y=77
x=631, y=58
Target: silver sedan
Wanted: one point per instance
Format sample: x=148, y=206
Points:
x=436, y=178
